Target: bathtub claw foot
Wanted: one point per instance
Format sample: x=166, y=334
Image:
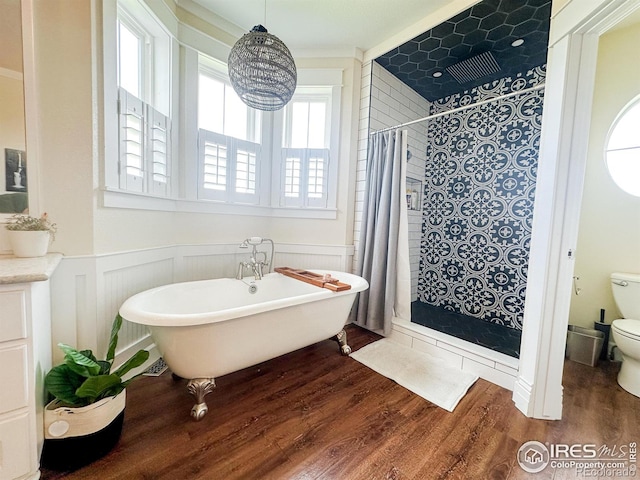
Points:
x=198, y=411
x=199, y=387
x=341, y=338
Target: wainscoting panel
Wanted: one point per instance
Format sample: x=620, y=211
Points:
x=73, y=305
x=119, y=284
x=314, y=256
x=201, y=262
x=87, y=292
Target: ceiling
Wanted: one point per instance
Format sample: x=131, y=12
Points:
x=321, y=24
x=489, y=26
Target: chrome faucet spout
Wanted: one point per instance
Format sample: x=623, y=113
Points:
x=241, y=267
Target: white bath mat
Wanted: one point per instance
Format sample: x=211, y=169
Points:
x=417, y=371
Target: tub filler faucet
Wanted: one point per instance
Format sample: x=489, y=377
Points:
x=256, y=266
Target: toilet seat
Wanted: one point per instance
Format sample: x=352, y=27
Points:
x=628, y=327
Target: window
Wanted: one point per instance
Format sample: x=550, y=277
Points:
x=228, y=141
x=130, y=58
x=144, y=147
x=305, y=154
x=623, y=150
x=232, y=159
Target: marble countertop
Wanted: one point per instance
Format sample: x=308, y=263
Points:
x=24, y=270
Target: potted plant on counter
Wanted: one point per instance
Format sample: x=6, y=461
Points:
x=30, y=236
x=84, y=421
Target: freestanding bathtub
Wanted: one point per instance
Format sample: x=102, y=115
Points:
x=206, y=329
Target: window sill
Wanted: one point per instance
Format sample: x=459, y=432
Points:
x=114, y=198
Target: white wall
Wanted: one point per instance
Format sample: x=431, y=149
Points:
x=609, y=235
x=66, y=120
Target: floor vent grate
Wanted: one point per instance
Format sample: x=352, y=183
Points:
x=156, y=369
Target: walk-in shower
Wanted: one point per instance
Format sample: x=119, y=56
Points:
x=481, y=75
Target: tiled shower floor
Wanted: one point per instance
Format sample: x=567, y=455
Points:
x=490, y=335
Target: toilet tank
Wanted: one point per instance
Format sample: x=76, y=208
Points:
x=626, y=292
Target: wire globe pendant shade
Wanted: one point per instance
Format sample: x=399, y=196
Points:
x=262, y=70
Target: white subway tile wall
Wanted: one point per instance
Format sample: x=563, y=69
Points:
x=386, y=102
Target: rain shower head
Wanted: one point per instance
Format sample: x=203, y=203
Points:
x=474, y=68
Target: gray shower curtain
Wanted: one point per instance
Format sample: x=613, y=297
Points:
x=378, y=246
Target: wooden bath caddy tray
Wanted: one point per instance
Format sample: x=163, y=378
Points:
x=316, y=279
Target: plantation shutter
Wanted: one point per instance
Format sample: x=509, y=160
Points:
x=213, y=165
x=229, y=168
x=304, y=175
x=158, y=152
x=245, y=173
x=132, y=140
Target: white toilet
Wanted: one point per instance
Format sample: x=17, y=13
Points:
x=626, y=331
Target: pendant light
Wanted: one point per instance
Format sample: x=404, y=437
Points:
x=262, y=70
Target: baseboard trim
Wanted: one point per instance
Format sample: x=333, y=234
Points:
x=522, y=392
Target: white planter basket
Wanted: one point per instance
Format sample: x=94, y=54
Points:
x=29, y=243
x=65, y=422
x=77, y=436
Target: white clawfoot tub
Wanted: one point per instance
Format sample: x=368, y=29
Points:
x=206, y=329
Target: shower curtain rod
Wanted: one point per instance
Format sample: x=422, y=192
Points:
x=459, y=109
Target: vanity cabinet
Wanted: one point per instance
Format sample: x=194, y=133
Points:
x=25, y=357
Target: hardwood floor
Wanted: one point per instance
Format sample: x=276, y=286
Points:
x=313, y=414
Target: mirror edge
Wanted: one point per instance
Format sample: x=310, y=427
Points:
x=31, y=104
x=30, y=107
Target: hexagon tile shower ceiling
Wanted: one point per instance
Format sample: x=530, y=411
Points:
x=262, y=70
x=488, y=30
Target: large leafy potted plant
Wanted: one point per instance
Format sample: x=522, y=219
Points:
x=85, y=419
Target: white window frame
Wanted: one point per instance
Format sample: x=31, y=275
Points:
x=182, y=189
x=231, y=193
x=308, y=95
x=218, y=71
x=626, y=180
x=329, y=93
x=145, y=57
x=156, y=174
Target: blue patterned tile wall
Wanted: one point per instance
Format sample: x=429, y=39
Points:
x=480, y=180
